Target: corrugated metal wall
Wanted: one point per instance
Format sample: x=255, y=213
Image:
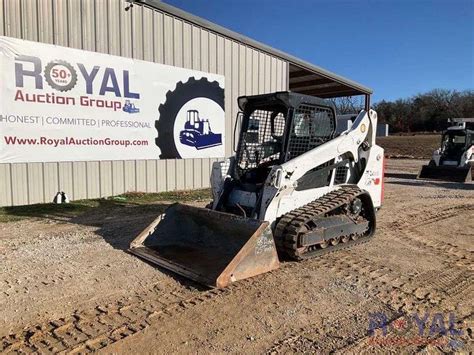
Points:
x=142, y=33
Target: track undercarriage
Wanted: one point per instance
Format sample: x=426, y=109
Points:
x=338, y=220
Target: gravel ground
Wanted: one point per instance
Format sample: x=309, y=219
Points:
x=70, y=285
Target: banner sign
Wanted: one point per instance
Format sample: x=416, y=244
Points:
x=64, y=104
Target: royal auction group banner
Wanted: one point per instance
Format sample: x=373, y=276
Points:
x=64, y=104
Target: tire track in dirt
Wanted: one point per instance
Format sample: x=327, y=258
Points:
x=401, y=294
x=104, y=325
x=434, y=293
x=410, y=234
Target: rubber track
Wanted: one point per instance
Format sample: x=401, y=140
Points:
x=288, y=227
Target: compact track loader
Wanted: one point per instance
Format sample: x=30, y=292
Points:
x=453, y=161
x=293, y=189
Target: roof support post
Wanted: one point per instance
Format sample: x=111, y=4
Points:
x=367, y=103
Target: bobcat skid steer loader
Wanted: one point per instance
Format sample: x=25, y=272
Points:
x=454, y=160
x=293, y=189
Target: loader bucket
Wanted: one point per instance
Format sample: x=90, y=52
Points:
x=210, y=247
x=446, y=173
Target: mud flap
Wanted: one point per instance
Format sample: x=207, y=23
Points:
x=446, y=173
x=210, y=247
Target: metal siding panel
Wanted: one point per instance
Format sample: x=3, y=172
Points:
x=51, y=182
x=220, y=56
x=141, y=175
x=151, y=179
x=168, y=39
x=255, y=72
x=196, y=47
x=229, y=97
x=35, y=183
x=285, y=83
x=130, y=175
x=197, y=173
x=5, y=185
x=60, y=22
x=136, y=17
x=261, y=73
x=279, y=79
x=267, y=74
x=118, y=177
x=242, y=71
x=188, y=173
x=29, y=20
x=178, y=43
x=66, y=180
x=147, y=34
x=93, y=179
x=273, y=74
x=105, y=27
x=125, y=30
x=187, y=46
x=206, y=169
x=161, y=175
x=74, y=22
x=19, y=184
x=212, y=53
x=114, y=30
x=2, y=33
x=248, y=71
x=170, y=175
x=12, y=18
x=88, y=25
x=234, y=91
x=106, y=179
x=100, y=26
x=45, y=24
x=79, y=169
x=158, y=37
x=180, y=174
x=204, y=51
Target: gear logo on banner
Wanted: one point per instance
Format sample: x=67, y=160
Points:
x=60, y=75
x=192, y=120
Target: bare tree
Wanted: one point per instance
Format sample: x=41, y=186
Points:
x=348, y=104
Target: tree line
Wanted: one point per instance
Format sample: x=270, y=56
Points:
x=426, y=112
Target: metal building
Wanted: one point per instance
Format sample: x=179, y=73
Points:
x=159, y=33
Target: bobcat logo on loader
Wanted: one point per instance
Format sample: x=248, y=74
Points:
x=192, y=121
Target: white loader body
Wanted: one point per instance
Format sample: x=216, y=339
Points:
x=280, y=192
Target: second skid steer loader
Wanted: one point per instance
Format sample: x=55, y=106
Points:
x=294, y=188
x=453, y=161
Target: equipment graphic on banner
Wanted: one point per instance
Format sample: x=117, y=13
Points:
x=186, y=118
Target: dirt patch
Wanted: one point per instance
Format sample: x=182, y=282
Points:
x=70, y=285
x=415, y=146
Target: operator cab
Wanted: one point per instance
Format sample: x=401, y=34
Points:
x=453, y=145
x=274, y=128
x=278, y=127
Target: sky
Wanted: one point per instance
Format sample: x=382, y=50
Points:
x=397, y=48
